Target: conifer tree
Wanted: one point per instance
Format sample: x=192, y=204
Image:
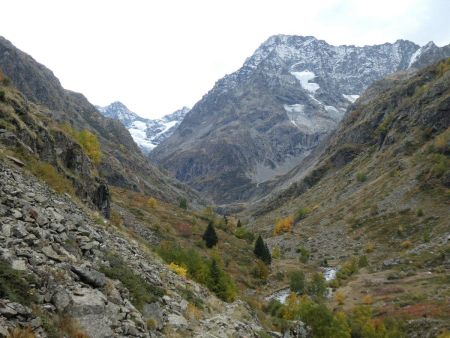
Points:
x=210, y=236
x=262, y=251
x=239, y=223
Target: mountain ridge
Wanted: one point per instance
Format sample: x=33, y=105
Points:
x=264, y=119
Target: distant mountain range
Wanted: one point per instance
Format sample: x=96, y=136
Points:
x=147, y=133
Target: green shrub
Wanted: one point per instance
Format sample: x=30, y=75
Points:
x=200, y=269
x=361, y=177
x=140, y=290
x=243, y=233
x=301, y=213
x=2, y=95
x=304, y=254
x=16, y=285
x=297, y=282
x=317, y=287
x=183, y=203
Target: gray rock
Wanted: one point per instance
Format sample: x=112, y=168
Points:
x=19, y=264
x=177, y=321
x=50, y=253
x=19, y=230
x=90, y=276
x=61, y=299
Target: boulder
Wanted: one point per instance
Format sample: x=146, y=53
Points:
x=90, y=276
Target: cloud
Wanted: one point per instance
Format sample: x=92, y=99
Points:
x=156, y=56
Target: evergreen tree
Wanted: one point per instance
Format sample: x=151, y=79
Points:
x=183, y=203
x=225, y=219
x=219, y=282
x=262, y=251
x=210, y=236
x=239, y=223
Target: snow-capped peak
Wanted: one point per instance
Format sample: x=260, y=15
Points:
x=147, y=133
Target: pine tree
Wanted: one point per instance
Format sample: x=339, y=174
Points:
x=262, y=251
x=225, y=219
x=239, y=223
x=210, y=236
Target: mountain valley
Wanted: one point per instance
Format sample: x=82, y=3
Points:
x=305, y=195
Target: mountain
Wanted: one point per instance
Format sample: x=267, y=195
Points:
x=263, y=120
x=38, y=93
x=147, y=133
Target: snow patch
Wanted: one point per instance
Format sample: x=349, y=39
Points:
x=351, y=98
x=305, y=77
x=415, y=56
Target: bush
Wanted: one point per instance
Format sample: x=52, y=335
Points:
x=16, y=285
x=317, y=287
x=151, y=202
x=363, y=262
x=283, y=225
x=304, y=254
x=301, y=213
x=297, y=282
x=406, y=244
x=369, y=247
x=200, y=269
x=260, y=271
x=243, y=233
x=2, y=95
x=140, y=290
x=361, y=177
x=340, y=297
x=184, y=229
x=179, y=270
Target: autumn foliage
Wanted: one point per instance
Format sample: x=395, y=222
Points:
x=283, y=225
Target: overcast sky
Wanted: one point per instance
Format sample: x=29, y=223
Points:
x=157, y=56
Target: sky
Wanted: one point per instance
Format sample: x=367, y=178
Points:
x=157, y=56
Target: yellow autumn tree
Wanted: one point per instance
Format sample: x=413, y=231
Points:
x=283, y=225
x=90, y=144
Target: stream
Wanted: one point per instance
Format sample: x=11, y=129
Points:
x=281, y=295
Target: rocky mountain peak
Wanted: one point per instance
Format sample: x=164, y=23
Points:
x=147, y=133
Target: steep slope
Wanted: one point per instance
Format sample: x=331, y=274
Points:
x=122, y=162
x=66, y=272
x=378, y=194
x=262, y=120
x=146, y=133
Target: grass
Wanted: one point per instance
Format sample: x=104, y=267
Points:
x=16, y=286
x=141, y=291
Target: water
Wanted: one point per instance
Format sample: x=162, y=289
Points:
x=281, y=295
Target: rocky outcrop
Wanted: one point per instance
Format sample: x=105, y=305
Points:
x=263, y=120
x=53, y=241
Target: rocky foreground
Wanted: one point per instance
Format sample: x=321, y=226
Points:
x=59, y=245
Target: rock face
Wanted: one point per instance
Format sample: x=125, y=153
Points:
x=54, y=241
x=146, y=133
x=122, y=163
x=262, y=120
